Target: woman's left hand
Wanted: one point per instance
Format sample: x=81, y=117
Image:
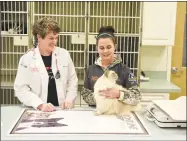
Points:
x=67, y=105
x=110, y=93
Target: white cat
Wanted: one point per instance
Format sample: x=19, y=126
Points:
x=109, y=106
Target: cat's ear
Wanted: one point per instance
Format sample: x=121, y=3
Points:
x=106, y=73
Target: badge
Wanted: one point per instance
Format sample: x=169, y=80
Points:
x=94, y=78
x=33, y=68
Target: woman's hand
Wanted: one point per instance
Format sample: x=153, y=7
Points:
x=46, y=107
x=67, y=105
x=110, y=93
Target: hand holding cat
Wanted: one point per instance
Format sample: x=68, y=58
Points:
x=110, y=93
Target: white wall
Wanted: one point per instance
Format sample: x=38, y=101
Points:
x=154, y=58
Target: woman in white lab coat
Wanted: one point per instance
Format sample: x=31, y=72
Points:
x=46, y=75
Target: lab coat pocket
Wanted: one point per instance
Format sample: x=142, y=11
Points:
x=35, y=81
x=64, y=72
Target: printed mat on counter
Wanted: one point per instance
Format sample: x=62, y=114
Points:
x=76, y=122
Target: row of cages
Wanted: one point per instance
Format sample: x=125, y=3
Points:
x=7, y=97
x=125, y=17
x=81, y=55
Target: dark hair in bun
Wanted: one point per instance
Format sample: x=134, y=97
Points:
x=107, y=29
x=106, y=32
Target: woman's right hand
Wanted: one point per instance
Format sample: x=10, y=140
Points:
x=110, y=93
x=46, y=107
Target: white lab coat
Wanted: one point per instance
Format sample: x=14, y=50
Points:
x=31, y=83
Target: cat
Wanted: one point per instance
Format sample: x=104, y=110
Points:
x=108, y=106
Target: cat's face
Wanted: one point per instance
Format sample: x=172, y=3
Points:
x=112, y=75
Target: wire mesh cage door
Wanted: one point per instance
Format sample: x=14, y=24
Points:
x=14, y=43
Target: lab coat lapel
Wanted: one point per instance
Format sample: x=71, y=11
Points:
x=55, y=67
x=54, y=63
x=43, y=73
x=39, y=63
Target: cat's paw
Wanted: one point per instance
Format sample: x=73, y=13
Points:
x=97, y=113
